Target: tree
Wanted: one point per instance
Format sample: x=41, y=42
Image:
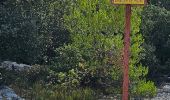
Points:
x=161, y=3
x=30, y=30
x=155, y=29
x=96, y=31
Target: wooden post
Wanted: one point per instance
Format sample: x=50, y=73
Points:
x=126, y=53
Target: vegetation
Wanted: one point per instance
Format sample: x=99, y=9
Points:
x=75, y=47
x=154, y=26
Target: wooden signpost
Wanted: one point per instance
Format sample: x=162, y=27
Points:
x=128, y=4
x=131, y=2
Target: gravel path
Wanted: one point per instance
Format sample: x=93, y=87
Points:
x=162, y=96
x=163, y=93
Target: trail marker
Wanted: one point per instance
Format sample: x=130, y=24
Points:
x=128, y=4
x=131, y=2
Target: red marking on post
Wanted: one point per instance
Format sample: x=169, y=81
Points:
x=126, y=53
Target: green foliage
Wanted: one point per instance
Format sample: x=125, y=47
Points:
x=67, y=58
x=97, y=33
x=156, y=31
x=93, y=59
x=69, y=79
x=161, y=3
x=30, y=30
x=93, y=17
x=146, y=89
x=41, y=93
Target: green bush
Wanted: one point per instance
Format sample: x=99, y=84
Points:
x=91, y=60
x=95, y=62
x=144, y=89
x=31, y=30
x=96, y=30
x=67, y=58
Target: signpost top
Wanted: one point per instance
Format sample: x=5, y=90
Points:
x=132, y=2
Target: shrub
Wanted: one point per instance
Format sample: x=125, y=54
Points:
x=91, y=60
x=96, y=62
x=30, y=30
x=144, y=89
x=96, y=30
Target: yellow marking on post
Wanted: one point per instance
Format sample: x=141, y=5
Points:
x=141, y=2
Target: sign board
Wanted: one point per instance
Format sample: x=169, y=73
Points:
x=132, y=2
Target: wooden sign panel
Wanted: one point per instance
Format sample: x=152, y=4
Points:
x=132, y=2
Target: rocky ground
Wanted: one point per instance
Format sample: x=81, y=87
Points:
x=163, y=93
x=7, y=93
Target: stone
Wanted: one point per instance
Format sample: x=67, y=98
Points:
x=7, y=93
x=8, y=65
x=166, y=88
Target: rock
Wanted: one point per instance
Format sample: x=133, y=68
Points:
x=8, y=65
x=23, y=67
x=166, y=88
x=7, y=93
